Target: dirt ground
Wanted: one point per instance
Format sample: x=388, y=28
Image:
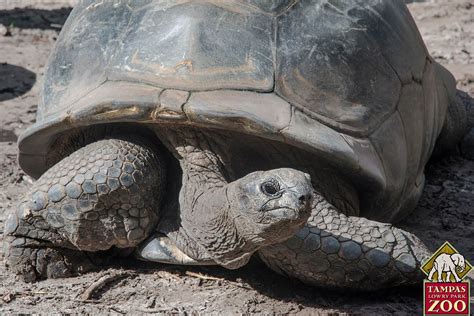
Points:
x=446, y=211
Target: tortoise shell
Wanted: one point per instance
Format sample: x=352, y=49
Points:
x=349, y=81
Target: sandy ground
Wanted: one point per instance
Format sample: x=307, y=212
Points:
x=446, y=211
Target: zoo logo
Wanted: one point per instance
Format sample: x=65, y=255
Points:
x=445, y=292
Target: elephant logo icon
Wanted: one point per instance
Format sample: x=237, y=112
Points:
x=446, y=265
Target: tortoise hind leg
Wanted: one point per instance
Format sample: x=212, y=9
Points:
x=106, y=194
x=334, y=250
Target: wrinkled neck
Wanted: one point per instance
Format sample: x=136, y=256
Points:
x=213, y=227
x=205, y=226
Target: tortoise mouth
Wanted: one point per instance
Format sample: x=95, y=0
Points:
x=286, y=213
x=283, y=218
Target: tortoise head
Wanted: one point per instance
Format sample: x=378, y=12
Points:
x=268, y=203
x=262, y=208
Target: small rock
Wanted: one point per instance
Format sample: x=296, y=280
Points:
x=7, y=298
x=4, y=31
x=151, y=302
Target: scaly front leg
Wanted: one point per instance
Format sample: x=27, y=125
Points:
x=106, y=194
x=347, y=252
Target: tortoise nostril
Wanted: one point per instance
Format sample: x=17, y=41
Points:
x=304, y=198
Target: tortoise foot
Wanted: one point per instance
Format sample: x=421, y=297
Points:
x=33, y=260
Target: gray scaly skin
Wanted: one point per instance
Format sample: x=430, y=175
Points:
x=103, y=195
x=342, y=251
x=227, y=222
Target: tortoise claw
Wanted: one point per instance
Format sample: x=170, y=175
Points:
x=159, y=248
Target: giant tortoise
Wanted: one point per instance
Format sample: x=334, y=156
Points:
x=203, y=132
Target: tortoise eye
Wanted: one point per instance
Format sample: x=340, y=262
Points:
x=270, y=187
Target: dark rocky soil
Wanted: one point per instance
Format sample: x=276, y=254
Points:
x=446, y=211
